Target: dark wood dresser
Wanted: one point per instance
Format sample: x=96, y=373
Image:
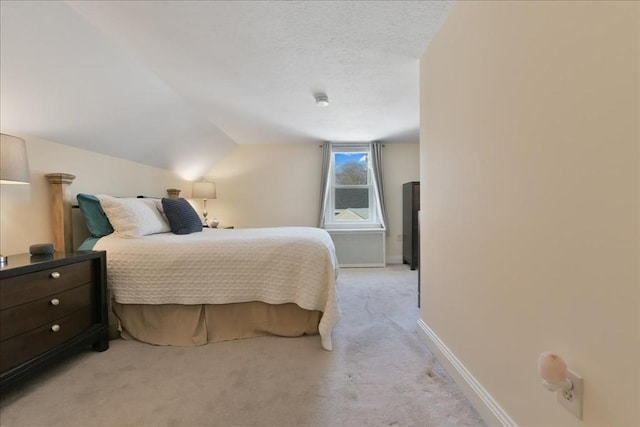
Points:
x=50, y=305
x=410, y=228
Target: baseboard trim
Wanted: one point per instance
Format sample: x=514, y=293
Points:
x=480, y=398
x=394, y=260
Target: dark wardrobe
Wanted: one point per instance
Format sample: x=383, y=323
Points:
x=410, y=237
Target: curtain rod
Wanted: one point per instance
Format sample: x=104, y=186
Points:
x=346, y=143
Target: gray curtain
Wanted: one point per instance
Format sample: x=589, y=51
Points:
x=376, y=163
x=324, y=182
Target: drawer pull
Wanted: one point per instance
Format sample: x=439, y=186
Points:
x=55, y=275
x=55, y=301
x=55, y=328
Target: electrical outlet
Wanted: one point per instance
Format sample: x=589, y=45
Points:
x=572, y=399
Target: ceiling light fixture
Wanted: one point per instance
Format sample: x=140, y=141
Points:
x=322, y=99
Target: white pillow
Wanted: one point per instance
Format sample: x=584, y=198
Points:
x=133, y=217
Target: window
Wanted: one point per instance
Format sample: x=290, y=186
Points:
x=351, y=198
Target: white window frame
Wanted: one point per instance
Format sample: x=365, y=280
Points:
x=374, y=205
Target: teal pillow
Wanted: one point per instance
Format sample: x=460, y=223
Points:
x=88, y=244
x=95, y=218
x=183, y=219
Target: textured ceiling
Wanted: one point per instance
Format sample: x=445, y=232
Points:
x=177, y=84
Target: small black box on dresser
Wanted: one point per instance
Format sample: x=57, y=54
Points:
x=50, y=306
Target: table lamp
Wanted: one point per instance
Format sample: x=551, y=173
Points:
x=14, y=165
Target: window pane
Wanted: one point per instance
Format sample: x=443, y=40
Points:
x=351, y=168
x=351, y=204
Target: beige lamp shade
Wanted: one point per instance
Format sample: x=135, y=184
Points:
x=14, y=165
x=204, y=190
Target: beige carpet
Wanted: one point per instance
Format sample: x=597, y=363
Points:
x=379, y=374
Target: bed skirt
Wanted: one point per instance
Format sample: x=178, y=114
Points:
x=191, y=325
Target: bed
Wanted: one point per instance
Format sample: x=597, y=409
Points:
x=210, y=285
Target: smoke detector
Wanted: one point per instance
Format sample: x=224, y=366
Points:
x=322, y=100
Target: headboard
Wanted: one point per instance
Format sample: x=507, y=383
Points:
x=69, y=227
x=79, y=230
x=61, y=211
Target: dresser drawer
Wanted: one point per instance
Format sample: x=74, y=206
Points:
x=39, y=284
x=24, y=317
x=37, y=341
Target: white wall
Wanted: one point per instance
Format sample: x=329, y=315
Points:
x=279, y=184
x=401, y=164
x=257, y=185
x=25, y=210
x=530, y=171
x=268, y=185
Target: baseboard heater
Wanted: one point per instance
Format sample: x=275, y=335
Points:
x=359, y=247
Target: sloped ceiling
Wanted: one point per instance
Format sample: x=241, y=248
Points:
x=178, y=84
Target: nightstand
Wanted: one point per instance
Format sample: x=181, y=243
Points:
x=50, y=306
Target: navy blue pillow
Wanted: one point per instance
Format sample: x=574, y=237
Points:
x=183, y=219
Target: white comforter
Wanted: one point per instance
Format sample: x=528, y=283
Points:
x=272, y=265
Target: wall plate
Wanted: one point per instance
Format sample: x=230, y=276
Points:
x=572, y=399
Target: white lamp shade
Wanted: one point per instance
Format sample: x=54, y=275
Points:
x=204, y=190
x=14, y=165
